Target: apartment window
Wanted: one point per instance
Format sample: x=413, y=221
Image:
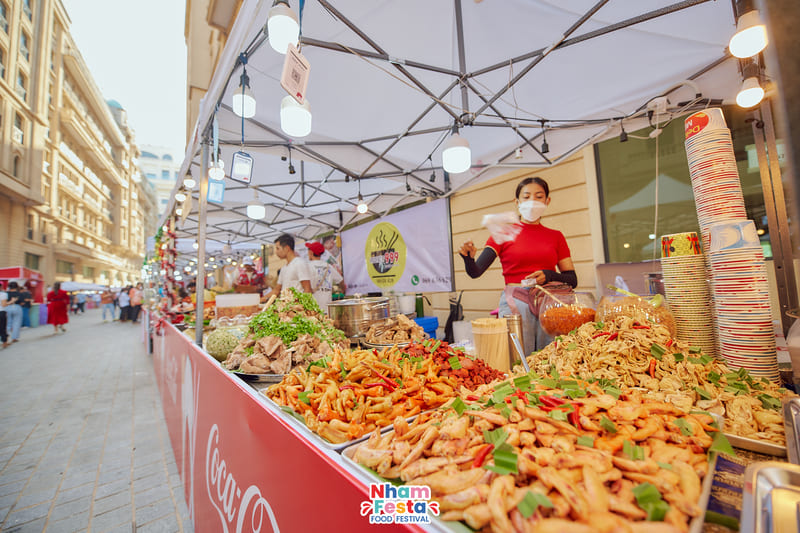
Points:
x=19, y=129
x=23, y=46
x=26, y=8
x=88, y=272
x=165, y=174
x=3, y=16
x=44, y=231
x=63, y=267
x=32, y=261
x=105, y=274
x=30, y=226
x=627, y=183
x=2, y=63
x=17, y=167
x=22, y=86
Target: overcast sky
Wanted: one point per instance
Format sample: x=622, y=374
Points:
x=137, y=54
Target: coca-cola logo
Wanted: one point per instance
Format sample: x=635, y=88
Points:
x=233, y=507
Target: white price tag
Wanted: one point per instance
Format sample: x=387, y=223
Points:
x=294, y=78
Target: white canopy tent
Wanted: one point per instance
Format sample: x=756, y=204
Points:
x=390, y=79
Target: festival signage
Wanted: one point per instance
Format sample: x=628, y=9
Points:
x=408, y=251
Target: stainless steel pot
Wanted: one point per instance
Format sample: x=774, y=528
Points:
x=356, y=315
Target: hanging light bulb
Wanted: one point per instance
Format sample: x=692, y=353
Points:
x=195, y=245
x=295, y=118
x=179, y=211
x=750, y=94
x=180, y=196
x=244, y=103
x=227, y=249
x=456, y=156
x=255, y=209
x=283, y=27
x=188, y=181
x=362, y=205
x=750, y=37
x=216, y=170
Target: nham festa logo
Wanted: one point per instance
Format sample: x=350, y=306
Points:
x=407, y=504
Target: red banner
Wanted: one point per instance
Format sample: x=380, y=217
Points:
x=243, y=468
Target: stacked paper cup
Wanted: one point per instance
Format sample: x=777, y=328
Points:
x=686, y=289
x=735, y=261
x=741, y=292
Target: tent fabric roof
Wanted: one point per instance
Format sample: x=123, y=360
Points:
x=389, y=80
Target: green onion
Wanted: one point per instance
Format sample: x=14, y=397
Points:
x=435, y=346
x=575, y=393
x=607, y=424
x=558, y=414
x=656, y=350
x=344, y=372
x=585, y=440
x=554, y=373
x=702, y=393
x=649, y=500
x=455, y=364
x=523, y=383
x=531, y=502
x=694, y=349
x=505, y=461
x=683, y=425
x=502, y=392
x=303, y=397
x=458, y=406
x=678, y=357
x=496, y=437
x=549, y=383
x=665, y=466
x=720, y=444
x=713, y=377
x=598, y=325
x=572, y=346
x=505, y=410
x=635, y=453
x=613, y=391
x=769, y=402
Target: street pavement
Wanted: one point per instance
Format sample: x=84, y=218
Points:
x=83, y=442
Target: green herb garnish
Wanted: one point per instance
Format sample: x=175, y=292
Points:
x=607, y=424
x=455, y=363
x=531, y=502
x=585, y=440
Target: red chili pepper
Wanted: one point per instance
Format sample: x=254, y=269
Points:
x=472, y=398
x=343, y=387
x=372, y=385
x=669, y=343
x=375, y=351
x=640, y=327
x=386, y=380
x=601, y=334
x=575, y=416
x=521, y=395
x=613, y=336
x=653, y=363
x=481, y=455
x=548, y=408
x=551, y=401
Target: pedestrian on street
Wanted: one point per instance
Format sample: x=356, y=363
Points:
x=81, y=300
x=107, y=301
x=136, y=294
x=3, y=317
x=25, y=303
x=14, y=310
x=57, y=307
x=124, y=300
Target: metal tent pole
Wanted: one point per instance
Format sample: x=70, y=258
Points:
x=200, y=280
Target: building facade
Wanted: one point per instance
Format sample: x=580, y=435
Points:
x=73, y=202
x=160, y=168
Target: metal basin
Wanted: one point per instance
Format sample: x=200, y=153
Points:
x=355, y=316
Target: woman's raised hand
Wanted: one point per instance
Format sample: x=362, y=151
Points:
x=468, y=249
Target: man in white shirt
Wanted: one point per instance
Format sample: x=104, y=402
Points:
x=296, y=273
x=323, y=275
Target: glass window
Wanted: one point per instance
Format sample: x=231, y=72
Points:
x=63, y=267
x=165, y=174
x=26, y=8
x=32, y=261
x=150, y=175
x=23, y=46
x=88, y=272
x=3, y=16
x=626, y=174
x=22, y=85
x=18, y=133
x=17, y=167
x=2, y=63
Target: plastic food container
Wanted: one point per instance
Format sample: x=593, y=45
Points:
x=643, y=308
x=570, y=311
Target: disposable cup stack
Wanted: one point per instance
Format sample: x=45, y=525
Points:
x=491, y=341
x=686, y=289
x=735, y=261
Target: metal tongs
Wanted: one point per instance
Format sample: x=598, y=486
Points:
x=518, y=346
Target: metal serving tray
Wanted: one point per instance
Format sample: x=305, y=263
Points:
x=369, y=476
x=771, y=498
x=755, y=445
x=258, y=378
x=791, y=424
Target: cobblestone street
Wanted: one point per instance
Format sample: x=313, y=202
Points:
x=83, y=442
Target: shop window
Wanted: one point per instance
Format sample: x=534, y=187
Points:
x=626, y=175
x=32, y=261
x=3, y=17
x=63, y=267
x=88, y=272
x=24, y=49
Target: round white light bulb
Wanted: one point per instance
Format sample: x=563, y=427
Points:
x=256, y=210
x=180, y=196
x=456, y=156
x=189, y=182
x=283, y=27
x=750, y=37
x=751, y=93
x=362, y=207
x=244, y=104
x=295, y=118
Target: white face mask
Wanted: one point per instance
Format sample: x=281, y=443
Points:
x=531, y=210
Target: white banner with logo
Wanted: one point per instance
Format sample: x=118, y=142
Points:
x=407, y=251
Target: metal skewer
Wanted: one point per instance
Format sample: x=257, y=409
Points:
x=518, y=346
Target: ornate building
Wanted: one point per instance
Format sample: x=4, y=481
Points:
x=72, y=199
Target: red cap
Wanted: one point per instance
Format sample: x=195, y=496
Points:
x=315, y=247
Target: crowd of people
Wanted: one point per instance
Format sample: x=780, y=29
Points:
x=16, y=300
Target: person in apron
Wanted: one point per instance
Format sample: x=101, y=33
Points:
x=537, y=253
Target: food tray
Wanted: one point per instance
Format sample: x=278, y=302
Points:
x=369, y=476
x=791, y=424
x=755, y=445
x=298, y=423
x=771, y=497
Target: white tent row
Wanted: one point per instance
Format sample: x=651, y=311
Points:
x=388, y=81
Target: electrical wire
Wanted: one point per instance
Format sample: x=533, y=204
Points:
x=655, y=201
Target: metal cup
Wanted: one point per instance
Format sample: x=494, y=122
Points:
x=514, y=323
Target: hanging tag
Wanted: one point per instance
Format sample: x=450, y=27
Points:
x=216, y=191
x=294, y=78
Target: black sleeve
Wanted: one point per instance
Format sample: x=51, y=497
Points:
x=475, y=268
x=568, y=276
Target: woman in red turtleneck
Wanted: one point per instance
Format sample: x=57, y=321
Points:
x=538, y=253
